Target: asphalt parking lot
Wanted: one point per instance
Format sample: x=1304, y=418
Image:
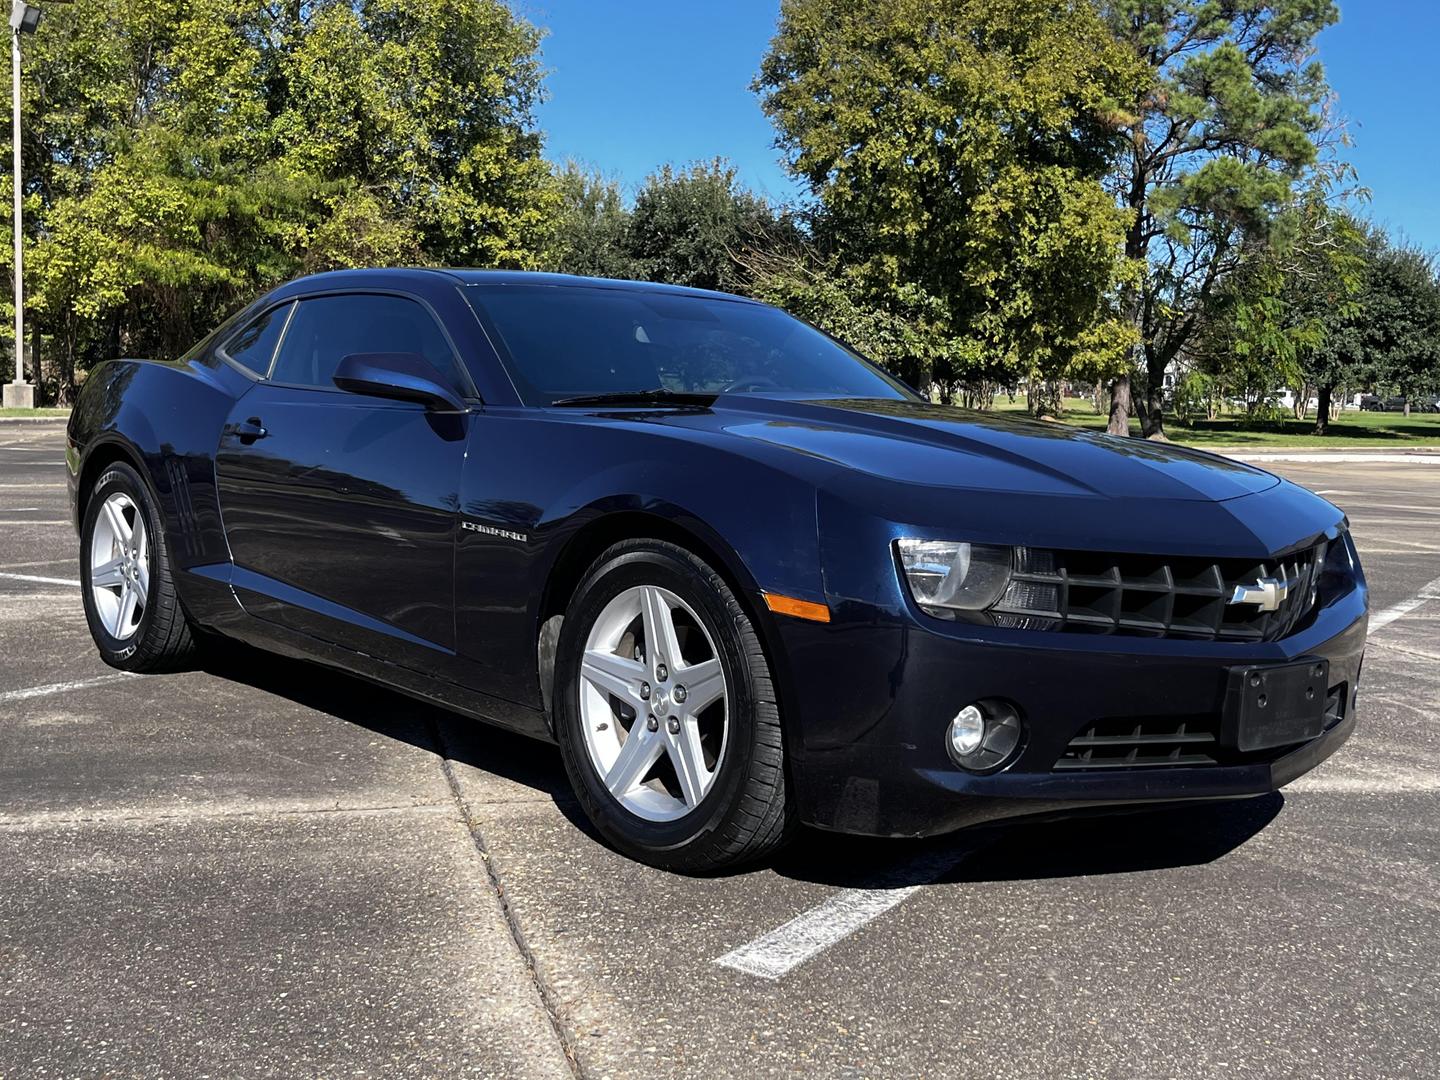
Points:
x=267, y=870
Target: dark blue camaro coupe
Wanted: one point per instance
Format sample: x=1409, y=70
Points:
x=741, y=576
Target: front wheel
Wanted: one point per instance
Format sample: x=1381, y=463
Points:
x=666, y=713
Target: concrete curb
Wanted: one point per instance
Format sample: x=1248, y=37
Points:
x=1339, y=457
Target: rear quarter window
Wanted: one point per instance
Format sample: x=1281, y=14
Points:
x=253, y=345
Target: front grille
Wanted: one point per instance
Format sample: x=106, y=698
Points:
x=1156, y=595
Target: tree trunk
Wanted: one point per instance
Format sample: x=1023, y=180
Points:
x=1119, y=406
x=1322, y=412
x=1133, y=302
x=1302, y=401
x=1407, y=406
x=1152, y=413
x=1045, y=398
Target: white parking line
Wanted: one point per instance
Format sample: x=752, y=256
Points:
x=61, y=687
x=1400, y=610
x=1411, y=547
x=785, y=948
x=1408, y=507
x=40, y=580
x=1369, y=779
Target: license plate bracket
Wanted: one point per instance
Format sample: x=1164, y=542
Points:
x=1270, y=705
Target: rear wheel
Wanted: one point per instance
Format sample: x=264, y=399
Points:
x=129, y=595
x=666, y=712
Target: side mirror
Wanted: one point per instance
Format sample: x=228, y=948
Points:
x=397, y=375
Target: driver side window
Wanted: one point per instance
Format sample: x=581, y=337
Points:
x=326, y=329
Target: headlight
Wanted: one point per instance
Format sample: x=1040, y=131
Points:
x=948, y=575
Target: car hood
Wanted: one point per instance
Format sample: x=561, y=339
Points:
x=948, y=447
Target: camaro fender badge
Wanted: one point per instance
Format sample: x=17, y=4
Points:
x=1267, y=593
x=490, y=530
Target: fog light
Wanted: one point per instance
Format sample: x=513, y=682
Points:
x=986, y=735
x=966, y=731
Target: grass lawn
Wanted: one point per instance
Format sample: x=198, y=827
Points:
x=1352, y=428
x=6, y=414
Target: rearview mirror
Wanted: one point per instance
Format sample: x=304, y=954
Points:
x=398, y=375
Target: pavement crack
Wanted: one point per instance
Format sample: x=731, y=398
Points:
x=1392, y=647
x=549, y=1000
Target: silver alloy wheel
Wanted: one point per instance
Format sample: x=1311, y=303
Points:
x=120, y=566
x=656, y=719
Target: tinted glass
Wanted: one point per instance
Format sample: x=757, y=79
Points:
x=327, y=329
x=254, y=346
x=569, y=341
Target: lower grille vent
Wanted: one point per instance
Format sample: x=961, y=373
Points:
x=1129, y=744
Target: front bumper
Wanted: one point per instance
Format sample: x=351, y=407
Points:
x=874, y=691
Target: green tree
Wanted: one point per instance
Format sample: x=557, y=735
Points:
x=1325, y=290
x=429, y=107
x=170, y=214
x=907, y=340
x=1272, y=321
x=592, y=227
x=1395, y=334
x=1216, y=142
x=184, y=155
x=956, y=150
x=693, y=226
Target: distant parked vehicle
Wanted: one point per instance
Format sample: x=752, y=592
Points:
x=1371, y=403
x=1428, y=404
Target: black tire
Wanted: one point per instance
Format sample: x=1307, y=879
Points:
x=163, y=640
x=747, y=812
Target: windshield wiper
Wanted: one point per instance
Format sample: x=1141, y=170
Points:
x=657, y=396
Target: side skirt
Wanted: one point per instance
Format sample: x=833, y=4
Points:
x=230, y=620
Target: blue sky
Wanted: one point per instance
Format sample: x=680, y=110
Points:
x=636, y=83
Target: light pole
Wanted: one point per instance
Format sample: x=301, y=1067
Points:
x=24, y=18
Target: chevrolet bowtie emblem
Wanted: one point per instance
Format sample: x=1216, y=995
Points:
x=1267, y=593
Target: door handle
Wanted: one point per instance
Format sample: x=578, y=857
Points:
x=249, y=430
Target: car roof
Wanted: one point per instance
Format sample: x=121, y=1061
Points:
x=398, y=276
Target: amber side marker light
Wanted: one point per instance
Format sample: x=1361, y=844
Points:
x=800, y=609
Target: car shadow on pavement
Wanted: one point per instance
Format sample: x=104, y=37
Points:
x=386, y=712
x=1086, y=845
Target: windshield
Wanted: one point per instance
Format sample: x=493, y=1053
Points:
x=564, y=341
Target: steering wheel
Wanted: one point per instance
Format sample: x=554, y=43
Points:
x=750, y=382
